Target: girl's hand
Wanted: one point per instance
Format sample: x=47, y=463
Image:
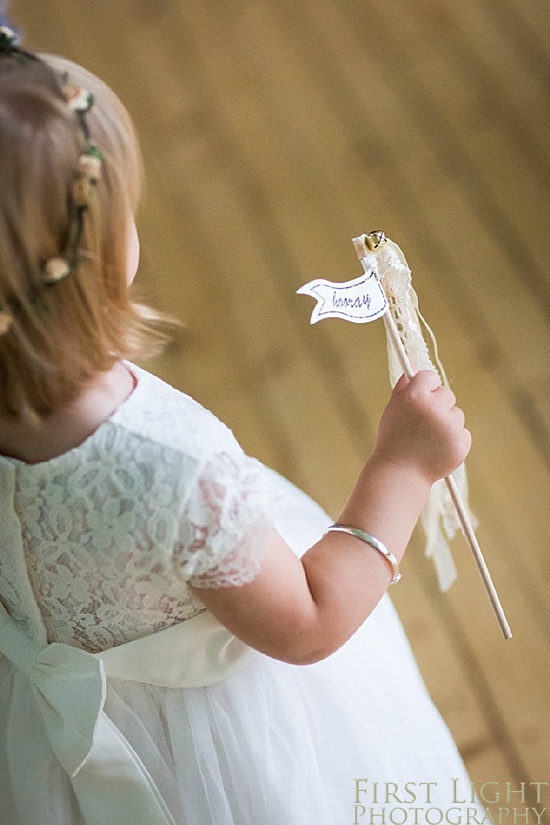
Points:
x=422, y=430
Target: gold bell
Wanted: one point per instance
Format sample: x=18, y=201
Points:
x=375, y=239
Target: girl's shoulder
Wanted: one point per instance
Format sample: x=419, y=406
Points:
x=159, y=413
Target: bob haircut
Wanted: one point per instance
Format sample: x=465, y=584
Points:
x=83, y=324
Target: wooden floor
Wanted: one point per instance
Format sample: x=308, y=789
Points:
x=273, y=132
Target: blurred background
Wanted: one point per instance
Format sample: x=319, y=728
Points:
x=274, y=131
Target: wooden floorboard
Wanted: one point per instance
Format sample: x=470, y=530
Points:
x=273, y=131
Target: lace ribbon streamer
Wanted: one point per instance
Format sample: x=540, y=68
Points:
x=439, y=518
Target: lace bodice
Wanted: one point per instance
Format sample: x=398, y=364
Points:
x=99, y=546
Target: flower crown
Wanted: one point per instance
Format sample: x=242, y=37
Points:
x=85, y=180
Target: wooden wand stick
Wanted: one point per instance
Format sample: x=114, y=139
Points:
x=373, y=241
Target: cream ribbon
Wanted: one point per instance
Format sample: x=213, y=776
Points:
x=69, y=687
x=439, y=518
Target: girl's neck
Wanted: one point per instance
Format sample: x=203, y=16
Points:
x=67, y=428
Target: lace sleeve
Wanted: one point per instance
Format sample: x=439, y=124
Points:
x=224, y=524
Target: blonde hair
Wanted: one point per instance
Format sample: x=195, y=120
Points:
x=80, y=326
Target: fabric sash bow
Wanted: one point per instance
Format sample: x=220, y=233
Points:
x=69, y=687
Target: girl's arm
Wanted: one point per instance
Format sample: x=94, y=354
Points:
x=302, y=610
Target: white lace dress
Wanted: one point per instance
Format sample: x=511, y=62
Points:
x=97, y=548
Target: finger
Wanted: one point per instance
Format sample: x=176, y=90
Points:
x=401, y=384
x=466, y=443
x=458, y=416
x=446, y=396
x=426, y=381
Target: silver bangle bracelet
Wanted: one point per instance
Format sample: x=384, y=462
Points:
x=372, y=542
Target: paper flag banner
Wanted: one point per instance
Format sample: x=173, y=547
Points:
x=360, y=301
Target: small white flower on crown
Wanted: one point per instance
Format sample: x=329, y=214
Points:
x=78, y=99
x=90, y=166
x=55, y=269
x=7, y=32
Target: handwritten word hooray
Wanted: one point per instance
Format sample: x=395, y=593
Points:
x=360, y=300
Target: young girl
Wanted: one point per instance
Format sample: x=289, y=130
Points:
x=185, y=637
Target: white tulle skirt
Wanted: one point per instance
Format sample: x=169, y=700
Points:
x=353, y=739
